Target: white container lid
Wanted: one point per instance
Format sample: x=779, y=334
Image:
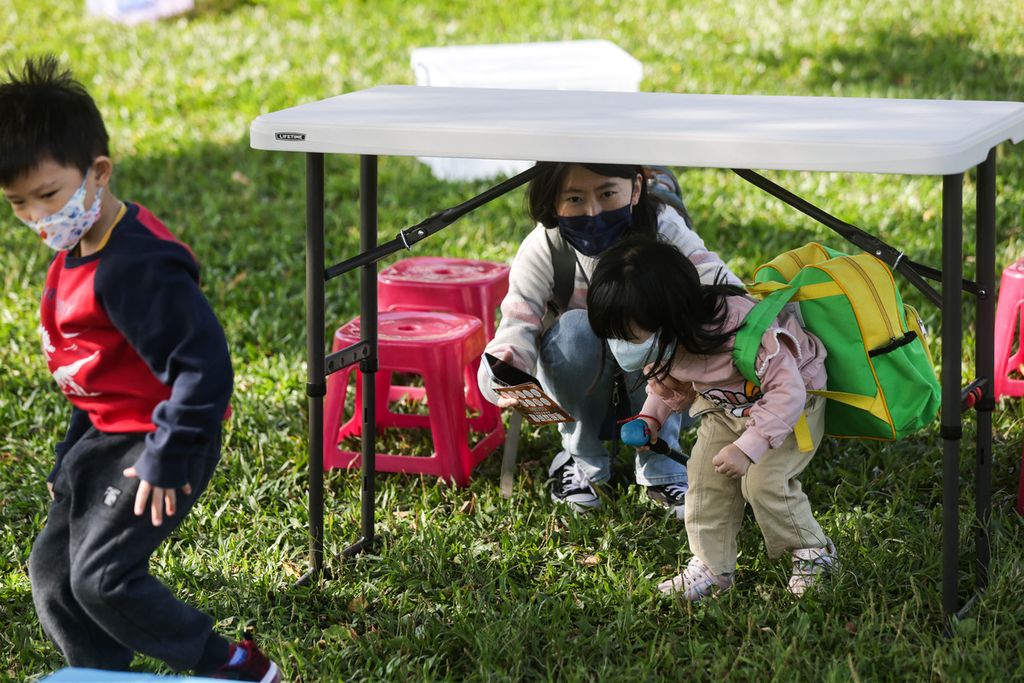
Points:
x=528, y=65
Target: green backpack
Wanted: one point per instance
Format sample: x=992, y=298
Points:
x=881, y=381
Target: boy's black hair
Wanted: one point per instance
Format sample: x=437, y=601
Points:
x=46, y=114
x=647, y=282
x=545, y=187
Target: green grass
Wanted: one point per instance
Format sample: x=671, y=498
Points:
x=511, y=589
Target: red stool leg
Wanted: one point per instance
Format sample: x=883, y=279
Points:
x=448, y=425
x=334, y=411
x=1009, y=328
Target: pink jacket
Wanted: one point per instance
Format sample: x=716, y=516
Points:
x=790, y=361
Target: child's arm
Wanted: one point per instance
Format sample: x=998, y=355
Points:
x=154, y=300
x=783, y=399
x=662, y=402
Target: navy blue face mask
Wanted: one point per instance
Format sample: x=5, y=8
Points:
x=590, y=235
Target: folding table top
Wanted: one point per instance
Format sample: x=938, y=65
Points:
x=867, y=135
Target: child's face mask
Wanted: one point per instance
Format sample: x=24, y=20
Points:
x=64, y=228
x=631, y=357
x=590, y=235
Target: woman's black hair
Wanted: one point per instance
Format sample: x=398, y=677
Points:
x=646, y=283
x=544, y=189
x=46, y=114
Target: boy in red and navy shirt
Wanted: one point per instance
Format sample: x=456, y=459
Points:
x=135, y=347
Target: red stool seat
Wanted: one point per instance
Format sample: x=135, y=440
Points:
x=1009, y=332
x=442, y=348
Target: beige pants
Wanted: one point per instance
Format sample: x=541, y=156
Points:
x=715, y=503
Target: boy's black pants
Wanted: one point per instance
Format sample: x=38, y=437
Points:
x=89, y=566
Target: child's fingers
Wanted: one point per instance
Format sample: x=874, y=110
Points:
x=141, y=497
x=170, y=501
x=156, y=506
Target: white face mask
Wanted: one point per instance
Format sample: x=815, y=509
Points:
x=630, y=356
x=64, y=228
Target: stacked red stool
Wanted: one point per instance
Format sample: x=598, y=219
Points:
x=443, y=349
x=437, y=314
x=450, y=285
x=1009, y=333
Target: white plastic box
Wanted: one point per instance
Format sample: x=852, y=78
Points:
x=566, y=65
x=135, y=11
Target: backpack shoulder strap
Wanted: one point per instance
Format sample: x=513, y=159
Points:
x=748, y=341
x=757, y=321
x=563, y=266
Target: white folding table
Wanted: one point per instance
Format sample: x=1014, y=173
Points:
x=857, y=135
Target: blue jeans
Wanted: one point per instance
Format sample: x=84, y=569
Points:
x=570, y=361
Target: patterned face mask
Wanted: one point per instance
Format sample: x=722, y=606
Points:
x=63, y=229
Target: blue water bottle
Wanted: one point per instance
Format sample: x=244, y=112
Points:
x=637, y=434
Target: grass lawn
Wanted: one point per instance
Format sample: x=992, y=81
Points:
x=465, y=584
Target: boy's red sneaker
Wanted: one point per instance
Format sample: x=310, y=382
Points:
x=255, y=666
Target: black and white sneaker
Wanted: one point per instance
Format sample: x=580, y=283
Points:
x=570, y=486
x=669, y=496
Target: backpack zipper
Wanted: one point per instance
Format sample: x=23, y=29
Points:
x=797, y=260
x=874, y=294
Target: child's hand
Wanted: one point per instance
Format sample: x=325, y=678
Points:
x=652, y=427
x=162, y=499
x=731, y=461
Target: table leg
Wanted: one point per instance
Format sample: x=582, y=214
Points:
x=985, y=357
x=368, y=318
x=316, y=377
x=951, y=422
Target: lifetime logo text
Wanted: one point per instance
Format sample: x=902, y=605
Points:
x=290, y=136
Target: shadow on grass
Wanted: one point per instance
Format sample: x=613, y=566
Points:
x=928, y=65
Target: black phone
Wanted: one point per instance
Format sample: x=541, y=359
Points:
x=508, y=375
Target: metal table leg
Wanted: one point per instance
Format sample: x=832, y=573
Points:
x=315, y=373
x=368, y=325
x=952, y=341
x=985, y=357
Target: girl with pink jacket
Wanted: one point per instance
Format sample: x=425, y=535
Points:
x=646, y=300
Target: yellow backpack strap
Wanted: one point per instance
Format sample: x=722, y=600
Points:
x=802, y=432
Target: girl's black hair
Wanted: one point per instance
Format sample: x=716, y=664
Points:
x=542, y=195
x=647, y=283
x=46, y=114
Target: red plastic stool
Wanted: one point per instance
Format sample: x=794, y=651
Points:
x=443, y=348
x=453, y=285
x=1010, y=328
